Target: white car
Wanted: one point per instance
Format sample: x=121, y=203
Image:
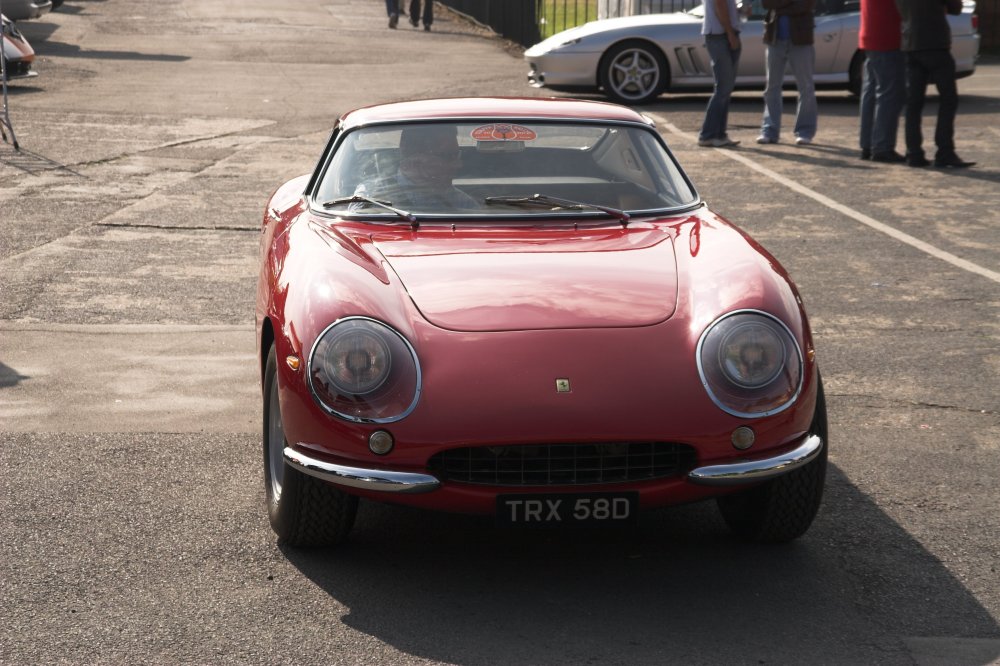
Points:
x=18, y=10
x=634, y=59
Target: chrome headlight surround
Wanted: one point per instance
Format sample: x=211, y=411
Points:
x=364, y=371
x=750, y=364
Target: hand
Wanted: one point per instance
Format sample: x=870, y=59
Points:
x=734, y=40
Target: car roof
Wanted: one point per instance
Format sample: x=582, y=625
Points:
x=499, y=108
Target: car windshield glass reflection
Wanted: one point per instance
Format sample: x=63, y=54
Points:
x=453, y=168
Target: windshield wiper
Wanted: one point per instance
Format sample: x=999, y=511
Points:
x=546, y=200
x=359, y=198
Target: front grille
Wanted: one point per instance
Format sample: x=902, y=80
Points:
x=563, y=464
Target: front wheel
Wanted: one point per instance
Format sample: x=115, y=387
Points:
x=633, y=73
x=303, y=510
x=782, y=509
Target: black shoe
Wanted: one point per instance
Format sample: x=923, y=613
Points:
x=951, y=162
x=414, y=23
x=866, y=154
x=917, y=161
x=427, y=28
x=393, y=20
x=888, y=156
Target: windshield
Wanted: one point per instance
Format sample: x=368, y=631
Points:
x=488, y=168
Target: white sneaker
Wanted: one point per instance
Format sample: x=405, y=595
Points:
x=763, y=138
x=803, y=140
x=718, y=142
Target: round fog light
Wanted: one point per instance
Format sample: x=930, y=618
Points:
x=380, y=442
x=743, y=438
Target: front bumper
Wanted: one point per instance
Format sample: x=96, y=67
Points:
x=379, y=480
x=573, y=70
x=755, y=471
x=388, y=481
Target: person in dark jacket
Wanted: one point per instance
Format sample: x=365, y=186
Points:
x=926, y=44
x=788, y=39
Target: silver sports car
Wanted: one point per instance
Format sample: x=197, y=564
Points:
x=634, y=59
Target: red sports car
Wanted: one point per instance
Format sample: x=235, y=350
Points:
x=521, y=307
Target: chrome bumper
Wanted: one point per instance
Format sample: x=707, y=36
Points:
x=728, y=474
x=356, y=477
x=753, y=471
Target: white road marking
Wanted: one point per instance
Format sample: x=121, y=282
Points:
x=916, y=243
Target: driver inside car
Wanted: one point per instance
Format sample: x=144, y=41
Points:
x=429, y=160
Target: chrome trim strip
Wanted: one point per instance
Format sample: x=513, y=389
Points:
x=357, y=477
x=752, y=471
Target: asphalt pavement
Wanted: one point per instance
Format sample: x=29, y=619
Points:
x=131, y=490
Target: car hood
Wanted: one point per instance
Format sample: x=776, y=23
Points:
x=618, y=278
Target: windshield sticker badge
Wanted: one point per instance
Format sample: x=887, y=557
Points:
x=503, y=132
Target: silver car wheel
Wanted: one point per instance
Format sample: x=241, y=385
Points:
x=275, y=443
x=634, y=74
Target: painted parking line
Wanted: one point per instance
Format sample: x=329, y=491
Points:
x=881, y=227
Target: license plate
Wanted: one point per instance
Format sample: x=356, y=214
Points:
x=580, y=509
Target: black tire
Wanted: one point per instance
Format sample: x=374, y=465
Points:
x=633, y=72
x=782, y=509
x=855, y=73
x=303, y=510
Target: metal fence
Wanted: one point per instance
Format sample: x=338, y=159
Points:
x=516, y=20
x=529, y=21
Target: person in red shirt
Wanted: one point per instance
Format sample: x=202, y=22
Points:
x=883, y=88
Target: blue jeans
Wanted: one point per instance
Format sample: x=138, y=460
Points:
x=801, y=58
x=392, y=7
x=724, y=63
x=882, y=93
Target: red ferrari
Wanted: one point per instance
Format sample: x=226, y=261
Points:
x=522, y=308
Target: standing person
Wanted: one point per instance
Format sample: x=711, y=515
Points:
x=721, y=28
x=882, y=89
x=788, y=40
x=428, y=16
x=927, y=45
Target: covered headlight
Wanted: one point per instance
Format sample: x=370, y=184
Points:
x=362, y=370
x=750, y=364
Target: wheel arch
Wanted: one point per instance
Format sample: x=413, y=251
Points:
x=266, y=340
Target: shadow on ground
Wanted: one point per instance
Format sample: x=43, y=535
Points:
x=677, y=589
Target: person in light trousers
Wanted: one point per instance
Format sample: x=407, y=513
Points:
x=721, y=30
x=788, y=39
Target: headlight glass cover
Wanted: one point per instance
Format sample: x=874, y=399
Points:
x=364, y=371
x=750, y=364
